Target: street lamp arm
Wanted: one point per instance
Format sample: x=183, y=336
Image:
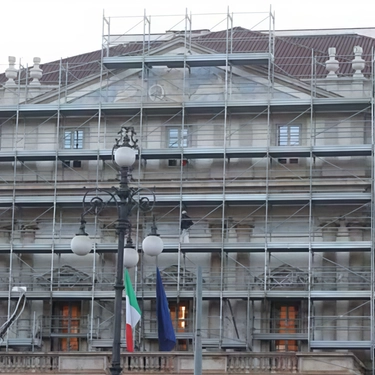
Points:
x=96, y=204
x=145, y=202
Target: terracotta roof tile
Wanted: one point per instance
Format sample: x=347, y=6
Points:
x=293, y=54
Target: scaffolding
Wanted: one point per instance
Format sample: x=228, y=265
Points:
x=271, y=154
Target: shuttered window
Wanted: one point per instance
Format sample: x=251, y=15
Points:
x=286, y=323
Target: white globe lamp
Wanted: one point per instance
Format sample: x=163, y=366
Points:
x=131, y=257
x=125, y=156
x=152, y=245
x=81, y=244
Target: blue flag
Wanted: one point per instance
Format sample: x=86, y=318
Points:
x=166, y=335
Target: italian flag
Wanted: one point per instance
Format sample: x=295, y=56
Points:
x=133, y=312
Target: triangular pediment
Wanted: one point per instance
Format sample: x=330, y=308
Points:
x=65, y=276
x=285, y=276
x=171, y=277
x=168, y=84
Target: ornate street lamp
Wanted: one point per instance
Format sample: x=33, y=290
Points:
x=126, y=199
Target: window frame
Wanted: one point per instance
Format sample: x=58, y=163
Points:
x=67, y=323
x=181, y=140
x=291, y=323
x=289, y=140
x=181, y=314
x=182, y=320
x=289, y=136
x=73, y=139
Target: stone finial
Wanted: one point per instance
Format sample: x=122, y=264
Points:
x=35, y=72
x=332, y=65
x=358, y=64
x=11, y=72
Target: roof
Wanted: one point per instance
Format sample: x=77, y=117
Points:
x=293, y=54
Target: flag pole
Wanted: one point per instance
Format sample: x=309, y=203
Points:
x=198, y=333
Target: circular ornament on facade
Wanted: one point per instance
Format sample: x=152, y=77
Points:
x=156, y=92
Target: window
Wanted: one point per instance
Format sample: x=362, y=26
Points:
x=286, y=321
x=66, y=326
x=288, y=135
x=180, y=319
x=76, y=163
x=181, y=316
x=177, y=162
x=177, y=137
x=73, y=139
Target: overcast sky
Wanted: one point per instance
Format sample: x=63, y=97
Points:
x=51, y=29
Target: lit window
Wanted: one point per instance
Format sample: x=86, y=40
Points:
x=67, y=320
x=180, y=318
x=73, y=139
x=289, y=135
x=177, y=137
x=286, y=321
x=179, y=315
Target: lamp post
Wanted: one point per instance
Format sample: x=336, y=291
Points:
x=125, y=198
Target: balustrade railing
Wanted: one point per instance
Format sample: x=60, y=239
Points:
x=28, y=362
x=178, y=362
x=148, y=362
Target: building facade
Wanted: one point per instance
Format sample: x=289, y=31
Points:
x=267, y=143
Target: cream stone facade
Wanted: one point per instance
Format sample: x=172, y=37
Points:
x=272, y=157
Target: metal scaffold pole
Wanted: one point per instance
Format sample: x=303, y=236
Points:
x=198, y=333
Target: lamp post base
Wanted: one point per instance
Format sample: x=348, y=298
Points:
x=115, y=370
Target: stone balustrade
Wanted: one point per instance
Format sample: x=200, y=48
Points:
x=181, y=362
